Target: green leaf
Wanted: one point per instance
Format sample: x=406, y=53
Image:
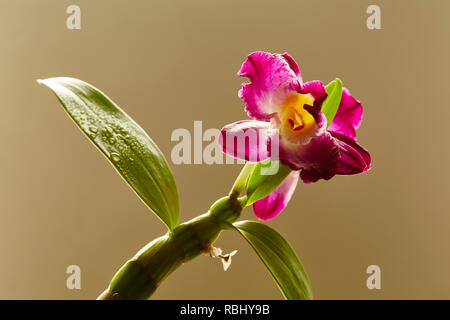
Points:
x=266, y=177
x=279, y=258
x=331, y=103
x=124, y=143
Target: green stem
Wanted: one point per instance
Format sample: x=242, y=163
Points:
x=241, y=181
x=142, y=274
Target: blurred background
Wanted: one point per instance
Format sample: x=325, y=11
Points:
x=168, y=63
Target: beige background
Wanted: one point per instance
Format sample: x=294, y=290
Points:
x=168, y=63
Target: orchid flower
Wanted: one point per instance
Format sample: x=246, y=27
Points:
x=287, y=111
x=293, y=123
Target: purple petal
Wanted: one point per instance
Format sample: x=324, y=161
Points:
x=269, y=207
x=246, y=140
x=317, y=90
x=354, y=159
x=271, y=81
x=318, y=159
x=348, y=116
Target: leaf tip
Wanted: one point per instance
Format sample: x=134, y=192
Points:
x=43, y=81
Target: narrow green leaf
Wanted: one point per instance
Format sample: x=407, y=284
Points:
x=279, y=259
x=124, y=143
x=265, y=178
x=331, y=104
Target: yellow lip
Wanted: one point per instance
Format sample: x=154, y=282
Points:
x=295, y=121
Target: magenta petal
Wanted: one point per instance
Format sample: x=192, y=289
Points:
x=246, y=140
x=318, y=159
x=348, y=116
x=271, y=81
x=269, y=207
x=293, y=65
x=354, y=159
x=317, y=90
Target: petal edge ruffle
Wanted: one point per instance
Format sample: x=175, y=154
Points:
x=271, y=81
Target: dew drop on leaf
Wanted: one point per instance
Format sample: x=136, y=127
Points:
x=115, y=157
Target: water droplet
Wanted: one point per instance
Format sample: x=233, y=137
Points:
x=93, y=129
x=115, y=157
x=112, y=141
x=93, y=135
